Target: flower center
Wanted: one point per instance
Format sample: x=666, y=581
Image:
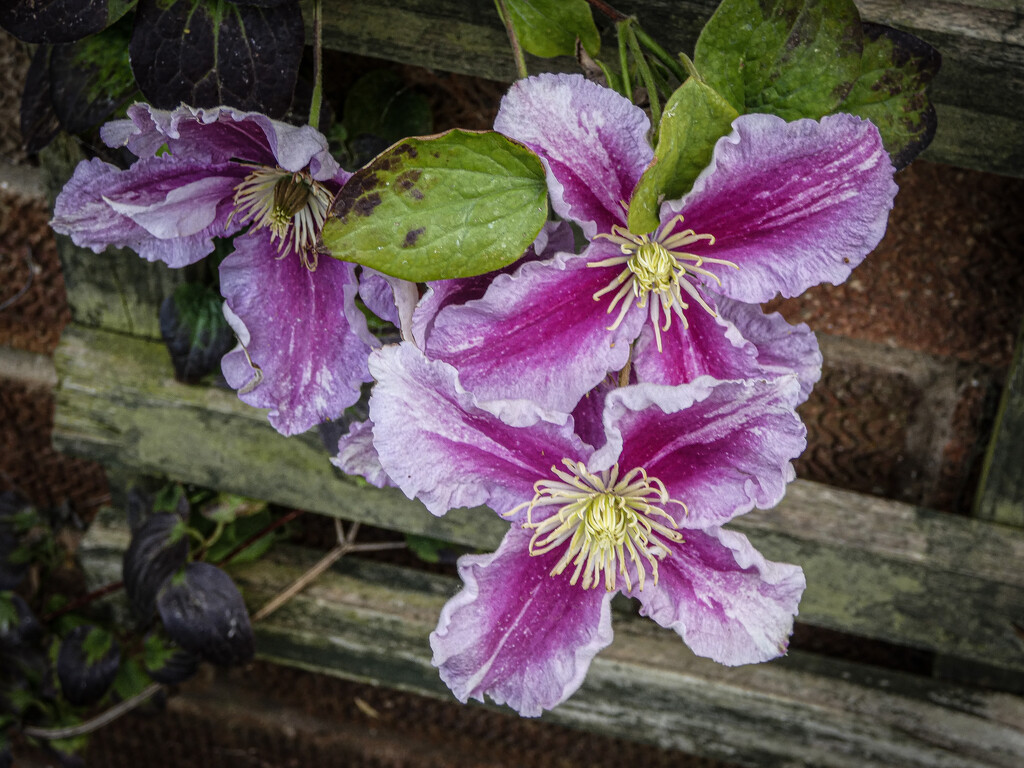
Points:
x=658, y=271
x=608, y=522
x=291, y=205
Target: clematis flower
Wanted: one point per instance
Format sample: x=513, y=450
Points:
x=206, y=173
x=781, y=207
x=639, y=514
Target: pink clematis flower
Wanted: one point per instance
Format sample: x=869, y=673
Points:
x=206, y=173
x=782, y=207
x=638, y=513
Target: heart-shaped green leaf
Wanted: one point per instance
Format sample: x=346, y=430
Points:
x=454, y=205
x=695, y=117
x=791, y=58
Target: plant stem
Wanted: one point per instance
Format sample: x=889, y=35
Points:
x=608, y=11
x=627, y=81
x=661, y=54
x=103, y=718
x=259, y=535
x=513, y=39
x=318, y=84
x=646, y=76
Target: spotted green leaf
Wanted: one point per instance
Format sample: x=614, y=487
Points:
x=695, y=117
x=453, y=205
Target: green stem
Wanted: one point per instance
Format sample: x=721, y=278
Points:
x=627, y=81
x=513, y=39
x=318, y=80
x=661, y=54
x=691, y=69
x=646, y=76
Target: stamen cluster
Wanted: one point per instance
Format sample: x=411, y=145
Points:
x=609, y=523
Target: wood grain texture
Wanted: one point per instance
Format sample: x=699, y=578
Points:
x=1001, y=488
x=979, y=93
x=875, y=568
x=370, y=622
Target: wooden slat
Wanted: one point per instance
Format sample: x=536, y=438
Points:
x=370, y=622
x=875, y=568
x=1001, y=488
x=979, y=93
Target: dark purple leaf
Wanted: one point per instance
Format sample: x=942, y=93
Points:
x=211, y=52
x=194, y=329
x=167, y=663
x=39, y=123
x=157, y=550
x=204, y=613
x=87, y=664
x=59, y=21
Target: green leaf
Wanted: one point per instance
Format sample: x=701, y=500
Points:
x=227, y=507
x=131, y=679
x=211, y=52
x=791, y=58
x=550, y=27
x=695, y=118
x=59, y=21
x=891, y=91
x=237, y=532
x=454, y=205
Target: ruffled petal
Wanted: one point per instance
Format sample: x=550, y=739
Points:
x=439, y=445
x=710, y=346
x=724, y=599
x=357, y=455
x=554, y=237
x=592, y=140
x=782, y=349
x=791, y=204
x=305, y=334
x=537, y=334
x=719, y=447
x=221, y=134
x=166, y=209
x=516, y=633
x=389, y=298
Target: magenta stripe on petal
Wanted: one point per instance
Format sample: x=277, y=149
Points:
x=517, y=634
x=438, y=445
x=306, y=334
x=721, y=448
x=537, y=334
x=724, y=599
x=791, y=204
x=592, y=140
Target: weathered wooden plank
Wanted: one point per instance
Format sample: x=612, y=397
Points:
x=875, y=568
x=115, y=289
x=979, y=92
x=370, y=622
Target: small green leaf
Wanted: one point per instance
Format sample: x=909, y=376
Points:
x=793, y=58
x=454, y=205
x=550, y=27
x=131, y=679
x=240, y=530
x=891, y=91
x=695, y=118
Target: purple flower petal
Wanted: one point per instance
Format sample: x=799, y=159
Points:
x=592, y=141
x=440, y=446
x=724, y=599
x=166, y=209
x=791, y=204
x=537, y=334
x=516, y=633
x=221, y=134
x=782, y=349
x=306, y=335
x=719, y=447
x=357, y=456
x=389, y=298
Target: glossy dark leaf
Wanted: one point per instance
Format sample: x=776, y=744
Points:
x=157, y=550
x=211, y=52
x=194, y=329
x=167, y=663
x=896, y=69
x=39, y=123
x=380, y=109
x=59, y=21
x=91, y=79
x=87, y=664
x=204, y=613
